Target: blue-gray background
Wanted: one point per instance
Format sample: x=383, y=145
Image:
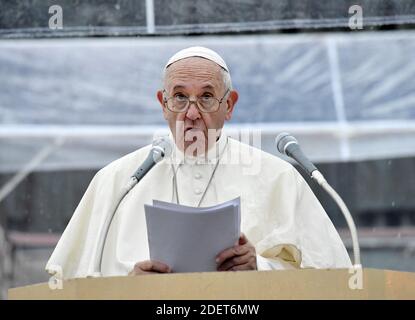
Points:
x=71, y=102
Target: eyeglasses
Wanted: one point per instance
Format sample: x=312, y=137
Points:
x=181, y=103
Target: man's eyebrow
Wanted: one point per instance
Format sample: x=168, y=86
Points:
x=178, y=87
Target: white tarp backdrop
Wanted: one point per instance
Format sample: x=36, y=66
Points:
x=346, y=96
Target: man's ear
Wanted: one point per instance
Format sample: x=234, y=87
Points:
x=230, y=104
x=162, y=103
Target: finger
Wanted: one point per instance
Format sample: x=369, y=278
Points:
x=241, y=267
x=153, y=265
x=160, y=267
x=141, y=268
x=231, y=252
x=243, y=239
x=238, y=242
x=236, y=260
x=250, y=265
x=143, y=265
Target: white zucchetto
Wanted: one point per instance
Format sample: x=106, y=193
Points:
x=198, y=52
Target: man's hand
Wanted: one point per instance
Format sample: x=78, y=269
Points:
x=242, y=256
x=149, y=267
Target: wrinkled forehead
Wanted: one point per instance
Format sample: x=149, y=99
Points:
x=193, y=71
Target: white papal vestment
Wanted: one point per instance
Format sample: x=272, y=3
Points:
x=280, y=215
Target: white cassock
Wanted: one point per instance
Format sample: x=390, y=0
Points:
x=280, y=215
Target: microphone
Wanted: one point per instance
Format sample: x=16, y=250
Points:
x=288, y=145
x=161, y=148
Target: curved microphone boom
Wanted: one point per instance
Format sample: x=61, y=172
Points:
x=161, y=148
x=288, y=145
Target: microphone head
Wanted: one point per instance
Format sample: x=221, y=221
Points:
x=283, y=140
x=163, y=147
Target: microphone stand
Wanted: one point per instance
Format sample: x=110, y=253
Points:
x=319, y=178
x=288, y=145
x=157, y=154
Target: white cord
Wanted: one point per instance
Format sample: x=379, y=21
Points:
x=103, y=235
x=317, y=176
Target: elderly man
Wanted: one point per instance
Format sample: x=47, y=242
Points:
x=283, y=224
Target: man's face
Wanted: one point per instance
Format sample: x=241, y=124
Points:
x=195, y=77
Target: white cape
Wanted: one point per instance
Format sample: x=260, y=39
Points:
x=279, y=213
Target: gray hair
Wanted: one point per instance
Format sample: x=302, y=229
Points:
x=226, y=79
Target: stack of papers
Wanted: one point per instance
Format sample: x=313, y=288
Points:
x=188, y=239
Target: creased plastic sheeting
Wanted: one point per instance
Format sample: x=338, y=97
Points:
x=29, y=19
x=345, y=96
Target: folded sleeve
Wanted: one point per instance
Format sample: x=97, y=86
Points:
x=264, y=264
x=298, y=231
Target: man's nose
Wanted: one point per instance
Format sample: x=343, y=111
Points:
x=193, y=112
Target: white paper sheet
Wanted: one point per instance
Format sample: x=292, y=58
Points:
x=187, y=238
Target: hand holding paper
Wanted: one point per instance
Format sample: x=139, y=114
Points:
x=189, y=239
x=149, y=267
x=240, y=257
